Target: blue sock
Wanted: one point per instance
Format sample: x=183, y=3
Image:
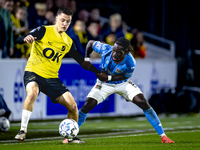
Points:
x=82, y=117
x=154, y=120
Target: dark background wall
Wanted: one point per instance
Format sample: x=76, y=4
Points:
x=175, y=20
x=172, y=19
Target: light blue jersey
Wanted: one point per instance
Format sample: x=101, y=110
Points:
x=107, y=65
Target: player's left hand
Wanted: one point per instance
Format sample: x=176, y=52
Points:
x=102, y=76
x=29, y=39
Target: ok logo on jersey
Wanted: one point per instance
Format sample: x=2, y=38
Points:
x=50, y=53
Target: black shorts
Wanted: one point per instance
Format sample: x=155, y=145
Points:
x=51, y=87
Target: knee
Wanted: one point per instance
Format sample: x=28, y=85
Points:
x=32, y=95
x=32, y=91
x=73, y=108
x=141, y=102
x=89, y=104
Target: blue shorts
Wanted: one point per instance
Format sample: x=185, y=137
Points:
x=51, y=87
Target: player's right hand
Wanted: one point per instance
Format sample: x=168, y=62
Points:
x=29, y=39
x=102, y=76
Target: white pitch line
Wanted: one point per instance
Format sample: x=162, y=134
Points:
x=142, y=134
x=127, y=130
x=113, y=134
x=40, y=140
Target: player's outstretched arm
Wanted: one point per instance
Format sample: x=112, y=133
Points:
x=85, y=63
x=88, y=49
x=104, y=77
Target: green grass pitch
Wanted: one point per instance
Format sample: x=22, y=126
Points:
x=109, y=134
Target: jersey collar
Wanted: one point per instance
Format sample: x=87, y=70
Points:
x=120, y=60
x=57, y=32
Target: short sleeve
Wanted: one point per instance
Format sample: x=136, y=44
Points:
x=101, y=48
x=38, y=32
x=130, y=66
x=97, y=46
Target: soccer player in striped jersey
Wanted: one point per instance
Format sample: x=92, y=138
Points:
x=117, y=65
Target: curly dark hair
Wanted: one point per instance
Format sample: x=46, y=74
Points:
x=124, y=43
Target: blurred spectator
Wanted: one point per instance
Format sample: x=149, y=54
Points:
x=111, y=38
x=2, y=35
x=92, y=32
x=80, y=30
x=9, y=41
x=20, y=20
x=32, y=16
x=36, y=14
x=138, y=44
x=73, y=5
x=127, y=35
x=94, y=16
x=25, y=3
x=112, y=30
x=61, y=3
x=71, y=33
x=20, y=27
x=116, y=24
x=8, y=5
x=57, y=4
x=49, y=4
x=83, y=15
x=50, y=17
x=21, y=14
x=17, y=3
x=41, y=9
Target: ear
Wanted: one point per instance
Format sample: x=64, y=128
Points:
x=126, y=52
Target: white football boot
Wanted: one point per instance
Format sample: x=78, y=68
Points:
x=21, y=135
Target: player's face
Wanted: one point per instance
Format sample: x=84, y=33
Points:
x=118, y=53
x=62, y=22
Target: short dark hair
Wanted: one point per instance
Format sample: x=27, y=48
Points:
x=124, y=43
x=65, y=10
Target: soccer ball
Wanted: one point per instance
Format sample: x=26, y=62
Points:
x=4, y=124
x=68, y=128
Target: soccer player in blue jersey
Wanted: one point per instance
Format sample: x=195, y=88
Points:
x=117, y=66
